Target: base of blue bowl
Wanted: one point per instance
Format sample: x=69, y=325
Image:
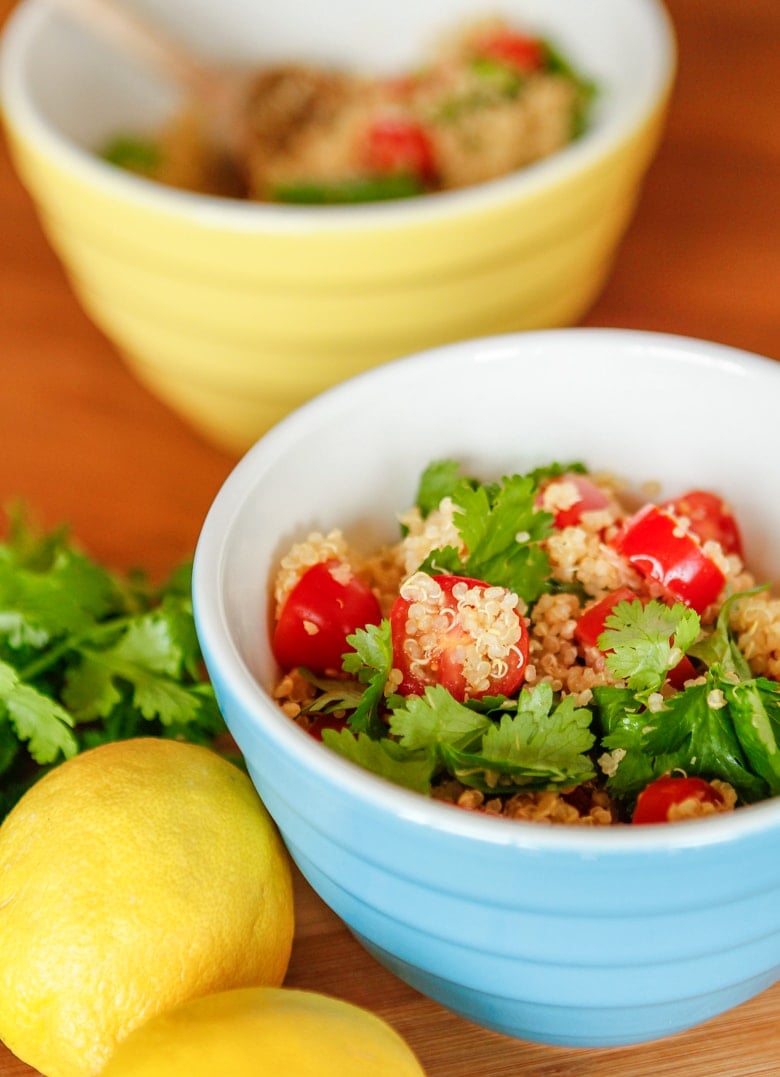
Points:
x=587, y=1027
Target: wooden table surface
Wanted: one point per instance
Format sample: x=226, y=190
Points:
x=82, y=442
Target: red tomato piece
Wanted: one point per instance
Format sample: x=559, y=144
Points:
x=655, y=544
x=658, y=798
x=682, y=672
x=325, y=606
x=519, y=51
x=397, y=145
x=590, y=498
x=709, y=517
x=444, y=626
x=325, y=721
x=591, y=624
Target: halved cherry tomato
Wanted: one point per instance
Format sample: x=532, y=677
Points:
x=654, y=542
x=590, y=498
x=709, y=517
x=658, y=798
x=325, y=606
x=591, y=624
x=397, y=145
x=444, y=626
x=518, y=50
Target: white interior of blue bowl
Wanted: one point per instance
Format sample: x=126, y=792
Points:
x=69, y=92
x=646, y=406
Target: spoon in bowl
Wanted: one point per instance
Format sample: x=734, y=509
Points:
x=222, y=97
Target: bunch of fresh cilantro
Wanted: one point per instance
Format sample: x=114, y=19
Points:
x=88, y=657
x=726, y=724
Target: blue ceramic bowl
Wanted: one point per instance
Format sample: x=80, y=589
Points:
x=562, y=936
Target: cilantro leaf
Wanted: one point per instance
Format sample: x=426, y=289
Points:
x=37, y=719
x=436, y=718
x=413, y=770
x=371, y=662
x=88, y=656
x=693, y=732
x=725, y=726
x=37, y=607
x=440, y=479
x=147, y=657
x=718, y=647
x=755, y=711
x=628, y=766
x=642, y=643
x=501, y=529
x=542, y=746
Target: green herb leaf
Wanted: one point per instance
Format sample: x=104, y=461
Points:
x=36, y=718
x=370, y=662
x=440, y=479
x=349, y=191
x=718, y=646
x=693, y=732
x=87, y=656
x=542, y=746
x=436, y=718
x=501, y=529
x=642, y=643
x=413, y=770
x=133, y=153
x=755, y=711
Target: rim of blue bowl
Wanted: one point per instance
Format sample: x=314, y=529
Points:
x=30, y=17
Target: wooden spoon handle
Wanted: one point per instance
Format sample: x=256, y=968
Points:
x=120, y=26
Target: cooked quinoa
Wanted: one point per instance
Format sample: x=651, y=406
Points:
x=585, y=565
x=490, y=100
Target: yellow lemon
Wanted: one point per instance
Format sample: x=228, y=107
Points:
x=133, y=877
x=265, y=1030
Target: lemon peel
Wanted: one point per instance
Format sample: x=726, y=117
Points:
x=265, y=1030
x=133, y=877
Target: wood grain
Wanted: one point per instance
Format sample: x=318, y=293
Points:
x=83, y=442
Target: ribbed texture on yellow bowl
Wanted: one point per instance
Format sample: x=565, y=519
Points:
x=235, y=328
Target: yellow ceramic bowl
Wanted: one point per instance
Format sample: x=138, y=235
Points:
x=236, y=313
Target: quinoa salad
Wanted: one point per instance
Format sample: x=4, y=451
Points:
x=548, y=647
x=491, y=99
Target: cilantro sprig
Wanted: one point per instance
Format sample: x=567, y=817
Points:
x=724, y=724
x=496, y=744
x=87, y=656
x=501, y=527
